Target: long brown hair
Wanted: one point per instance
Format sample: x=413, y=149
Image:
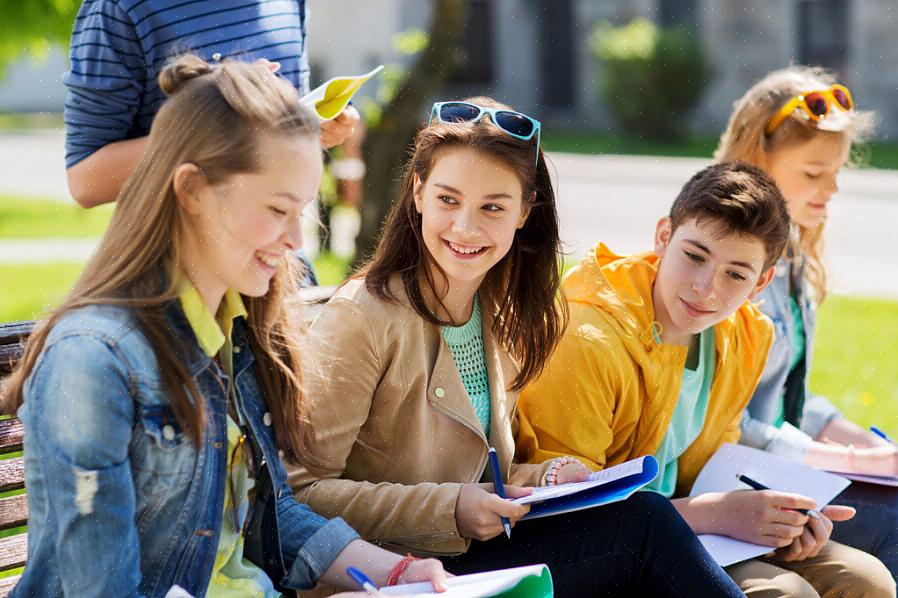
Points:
x=212, y=119
x=745, y=139
x=521, y=292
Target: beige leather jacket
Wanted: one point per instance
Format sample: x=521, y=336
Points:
x=397, y=434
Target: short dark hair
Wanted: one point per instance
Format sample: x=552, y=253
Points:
x=739, y=198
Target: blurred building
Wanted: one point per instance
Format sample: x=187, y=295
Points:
x=534, y=53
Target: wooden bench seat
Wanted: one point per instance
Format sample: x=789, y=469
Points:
x=14, y=509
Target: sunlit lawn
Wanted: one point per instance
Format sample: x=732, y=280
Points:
x=854, y=353
x=878, y=154
x=35, y=219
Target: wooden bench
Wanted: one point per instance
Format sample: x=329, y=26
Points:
x=14, y=509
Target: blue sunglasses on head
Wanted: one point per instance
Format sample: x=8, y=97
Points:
x=519, y=126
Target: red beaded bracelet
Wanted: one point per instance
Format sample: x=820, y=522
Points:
x=400, y=568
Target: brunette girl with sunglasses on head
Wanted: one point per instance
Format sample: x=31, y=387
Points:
x=158, y=397
x=798, y=124
x=418, y=361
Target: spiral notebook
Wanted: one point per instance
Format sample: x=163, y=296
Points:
x=533, y=581
x=603, y=487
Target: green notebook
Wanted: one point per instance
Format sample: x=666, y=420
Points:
x=533, y=581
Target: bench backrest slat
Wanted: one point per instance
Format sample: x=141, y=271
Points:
x=13, y=511
x=13, y=552
x=12, y=474
x=12, y=433
x=7, y=584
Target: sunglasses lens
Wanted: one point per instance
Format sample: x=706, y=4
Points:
x=458, y=112
x=816, y=103
x=842, y=99
x=514, y=123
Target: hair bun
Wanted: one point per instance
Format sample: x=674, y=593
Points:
x=181, y=70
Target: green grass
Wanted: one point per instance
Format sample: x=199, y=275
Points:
x=18, y=121
x=879, y=154
x=331, y=270
x=36, y=219
x=30, y=290
x=854, y=359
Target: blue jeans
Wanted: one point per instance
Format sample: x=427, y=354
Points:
x=875, y=527
x=638, y=547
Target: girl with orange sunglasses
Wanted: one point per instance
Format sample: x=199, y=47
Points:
x=799, y=125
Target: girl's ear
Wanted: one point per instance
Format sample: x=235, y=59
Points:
x=187, y=182
x=525, y=209
x=663, y=233
x=417, y=186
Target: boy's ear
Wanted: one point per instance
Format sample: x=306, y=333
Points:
x=187, y=181
x=663, y=233
x=762, y=283
x=417, y=187
x=525, y=209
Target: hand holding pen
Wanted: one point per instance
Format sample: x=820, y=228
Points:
x=815, y=532
x=479, y=509
x=758, y=486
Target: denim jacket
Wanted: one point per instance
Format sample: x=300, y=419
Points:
x=810, y=413
x=121, y=502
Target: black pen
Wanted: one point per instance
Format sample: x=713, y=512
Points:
x=759, y=486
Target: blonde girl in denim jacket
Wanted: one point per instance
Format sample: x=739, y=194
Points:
x=159, y=398
x=799, y=125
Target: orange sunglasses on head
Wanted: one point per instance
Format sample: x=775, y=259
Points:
x=815, y=104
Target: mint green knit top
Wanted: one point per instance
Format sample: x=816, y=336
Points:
x=466, y=344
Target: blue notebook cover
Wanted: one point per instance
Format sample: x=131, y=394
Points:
x=613, y=491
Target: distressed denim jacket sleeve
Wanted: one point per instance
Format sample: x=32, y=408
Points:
x=79, y=416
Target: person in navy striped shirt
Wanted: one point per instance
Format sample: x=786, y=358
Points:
x=118, y=48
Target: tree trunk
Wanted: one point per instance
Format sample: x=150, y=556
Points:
x=385, y=146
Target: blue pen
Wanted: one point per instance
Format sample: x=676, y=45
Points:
x=363, y=580
x=880, y=433
x=499, y=486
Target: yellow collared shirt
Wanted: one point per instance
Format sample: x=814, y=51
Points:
x=232, y=575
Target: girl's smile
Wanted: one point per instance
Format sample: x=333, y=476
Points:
x=806, y=175
x=248, y=224
x=471, y=206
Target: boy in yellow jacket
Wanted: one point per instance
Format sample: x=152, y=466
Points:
x=661, y=356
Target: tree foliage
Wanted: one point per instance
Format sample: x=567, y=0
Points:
x=33, y=26
x=651, y=76
x=389, y=138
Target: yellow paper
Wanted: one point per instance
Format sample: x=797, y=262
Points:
x=329, y=99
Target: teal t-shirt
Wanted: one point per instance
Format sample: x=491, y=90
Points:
x=688, y=416
x=797, y=340
x=466, y=344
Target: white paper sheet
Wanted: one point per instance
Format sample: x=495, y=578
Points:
x=475, y=585
x=597, y=478
x=338, y=91
x=720, y=475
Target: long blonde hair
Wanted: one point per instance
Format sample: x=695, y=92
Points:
x=213, y=119
x=745, y=139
